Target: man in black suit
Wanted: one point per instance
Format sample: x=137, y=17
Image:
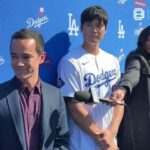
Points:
x=32, y=113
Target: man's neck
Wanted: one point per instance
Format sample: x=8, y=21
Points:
x=92, y=49
x=30, y=83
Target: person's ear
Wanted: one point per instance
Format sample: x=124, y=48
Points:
x=42, y=57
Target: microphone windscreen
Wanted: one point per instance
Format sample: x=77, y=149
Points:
x=83, y=96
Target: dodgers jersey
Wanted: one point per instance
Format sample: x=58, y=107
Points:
x=80, y=70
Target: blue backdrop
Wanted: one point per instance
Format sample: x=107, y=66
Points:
x=59, y=22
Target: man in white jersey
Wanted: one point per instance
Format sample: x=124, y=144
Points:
x=92, y=126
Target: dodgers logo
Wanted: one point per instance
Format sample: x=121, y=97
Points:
x=73, y=28
x=121, y=56
x=121, y=31
x=38, y=22
x=138, y=30
x=102, y=79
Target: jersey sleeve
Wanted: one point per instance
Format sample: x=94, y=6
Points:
x=68, y=77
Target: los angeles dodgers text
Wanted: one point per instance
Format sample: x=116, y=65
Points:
x=106, y=76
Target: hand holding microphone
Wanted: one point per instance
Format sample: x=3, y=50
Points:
x=87, y=97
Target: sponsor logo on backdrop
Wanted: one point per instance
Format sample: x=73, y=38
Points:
x=140, y=3
x=122, y=1
x=121, y=31
x=138, y=14
x=121, y=55
x=39, y=21
x=138, y=30
x=2, y=60
x=73, y=28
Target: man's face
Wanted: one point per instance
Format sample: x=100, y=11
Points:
x=25, y=60
x=147, y=45
x=93, y=31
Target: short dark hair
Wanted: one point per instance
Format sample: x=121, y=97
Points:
x=27, y=34
x=143, y=37
x=94, y=12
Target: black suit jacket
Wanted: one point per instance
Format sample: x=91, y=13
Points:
x=134, y=132
x=54, y=122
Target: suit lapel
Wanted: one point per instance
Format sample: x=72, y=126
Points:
x=45, y=110
x=15, y=109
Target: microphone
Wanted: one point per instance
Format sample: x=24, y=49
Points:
x=87, y=97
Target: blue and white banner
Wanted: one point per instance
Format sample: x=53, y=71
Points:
x=59, y=22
